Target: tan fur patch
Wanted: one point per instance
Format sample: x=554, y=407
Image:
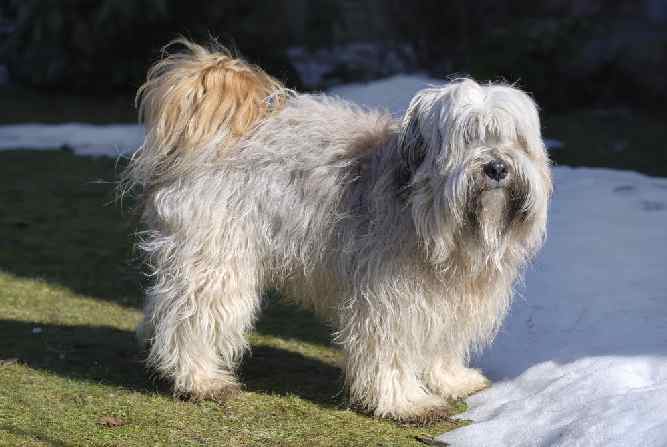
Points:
x=189, y=97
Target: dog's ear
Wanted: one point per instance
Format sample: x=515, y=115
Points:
x=411, y=143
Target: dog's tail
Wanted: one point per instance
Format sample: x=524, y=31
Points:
x=194, y=105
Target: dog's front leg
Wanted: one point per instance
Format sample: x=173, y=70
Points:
x=382, y=369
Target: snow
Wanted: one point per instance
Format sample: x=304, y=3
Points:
x=113, y=140
x=393, y=94
x=582, y=357
x=83, y=139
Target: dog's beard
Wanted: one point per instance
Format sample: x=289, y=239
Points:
x=497, y=207
x=491, y=216
x=492, y=213
x=472, y=219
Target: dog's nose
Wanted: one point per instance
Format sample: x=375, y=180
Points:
x=496, y=169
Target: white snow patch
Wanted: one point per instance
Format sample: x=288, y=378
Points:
x=84, y=139
x=393, y=94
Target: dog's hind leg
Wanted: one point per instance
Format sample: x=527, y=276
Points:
x=199, y=312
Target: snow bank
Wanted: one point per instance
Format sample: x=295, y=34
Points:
x=393, y=94
x=84, y=139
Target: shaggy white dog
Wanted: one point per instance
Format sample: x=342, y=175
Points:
x=406, y=236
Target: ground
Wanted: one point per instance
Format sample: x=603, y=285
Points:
x=70, y=297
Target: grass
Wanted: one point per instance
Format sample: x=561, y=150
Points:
x=69, y=302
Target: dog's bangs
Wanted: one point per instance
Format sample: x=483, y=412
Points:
x=488, y=126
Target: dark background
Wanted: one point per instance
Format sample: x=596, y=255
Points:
x=567, y=53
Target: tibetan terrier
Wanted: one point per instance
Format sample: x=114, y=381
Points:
x=405, y=235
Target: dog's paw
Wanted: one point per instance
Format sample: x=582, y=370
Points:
x=473, y=382
x=424, y=410
x=219, y=387
x=218, y=395
x=457, y=382
x=428, y=417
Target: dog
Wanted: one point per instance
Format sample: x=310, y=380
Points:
x=405, y=235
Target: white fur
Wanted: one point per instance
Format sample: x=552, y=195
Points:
x=388, y=230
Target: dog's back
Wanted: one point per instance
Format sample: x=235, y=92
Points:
x=223, y=139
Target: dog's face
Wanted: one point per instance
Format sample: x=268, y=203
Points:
x=479, y=169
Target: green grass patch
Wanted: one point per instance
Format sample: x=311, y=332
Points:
x=70, y=297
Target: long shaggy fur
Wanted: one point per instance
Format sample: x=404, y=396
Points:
x=389, y=230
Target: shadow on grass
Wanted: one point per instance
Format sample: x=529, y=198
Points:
x=282, y=319
x=59, y=223
x=104, y=355
x=95, y=354
x=282, y=372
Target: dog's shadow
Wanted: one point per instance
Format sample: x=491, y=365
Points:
x=96, y=354
x=289, y=372
x=106, y=355
x=278, y=371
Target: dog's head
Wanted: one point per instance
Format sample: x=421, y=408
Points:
x=476, y=169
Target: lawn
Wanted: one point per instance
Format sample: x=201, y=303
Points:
x=70, y=370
